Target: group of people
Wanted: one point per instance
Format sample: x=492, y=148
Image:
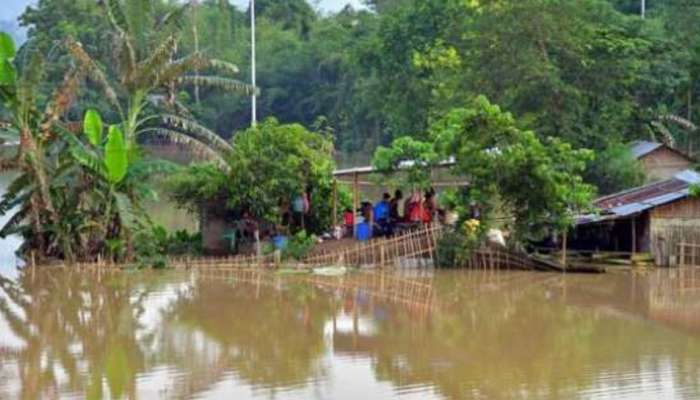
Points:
x=387, y=214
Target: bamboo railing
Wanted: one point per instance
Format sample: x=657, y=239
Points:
x=416, y=243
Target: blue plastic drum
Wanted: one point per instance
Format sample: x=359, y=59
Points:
x=364, y=231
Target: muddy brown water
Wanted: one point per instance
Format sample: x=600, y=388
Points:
x=411, y=334
x=475, y=335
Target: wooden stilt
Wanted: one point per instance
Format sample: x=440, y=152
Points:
x=355, y=201
x=634, y=235
x=564, y=246
x=335, y=203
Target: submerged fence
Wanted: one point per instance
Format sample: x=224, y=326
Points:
x=419, y=243
x=415, y=247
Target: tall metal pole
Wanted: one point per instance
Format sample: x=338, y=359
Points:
x=644, y=8
x=254, y=111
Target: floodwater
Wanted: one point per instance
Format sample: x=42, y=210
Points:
x=412, y=334
x=423, y=335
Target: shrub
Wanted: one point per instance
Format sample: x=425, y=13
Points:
x=299, y=246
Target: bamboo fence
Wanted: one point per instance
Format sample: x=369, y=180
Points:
x=489, y=258
x=420, y=243
x=416, y=247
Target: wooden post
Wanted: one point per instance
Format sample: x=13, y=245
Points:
x=563, y=248
x=382, y=257
x=258, y=247
x=355, y=201
x=681, y=261
x=634, y=235
x=335, y=203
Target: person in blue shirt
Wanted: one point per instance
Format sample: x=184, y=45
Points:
x=381, y=214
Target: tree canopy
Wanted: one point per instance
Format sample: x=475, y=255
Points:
x=536, y=182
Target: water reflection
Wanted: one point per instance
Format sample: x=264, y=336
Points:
x=450, y=335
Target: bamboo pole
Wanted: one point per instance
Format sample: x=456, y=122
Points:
x=634, y=235
x=355, y=202
x=563, y=249
x=335, y=203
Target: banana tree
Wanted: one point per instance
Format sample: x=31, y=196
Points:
x=116, y=188
x=33, y=131
x=149, y=70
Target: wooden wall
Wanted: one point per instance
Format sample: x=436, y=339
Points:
x=688, y=208
x=663, y=163
x=671, y=225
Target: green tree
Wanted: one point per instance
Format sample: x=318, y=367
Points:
x=537, y=183
x=270, y=165
x=33, y=130
x=614, y=169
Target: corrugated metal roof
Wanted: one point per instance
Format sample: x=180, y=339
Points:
x=641, y=148
x=689, y=176
x=634, y=201
x=641, y=194
x=630, y=209
x=366, y=170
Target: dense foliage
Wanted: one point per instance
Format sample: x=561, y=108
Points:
x=80, y=197
x=536, y=182
x=591, y=72
x=269, y=166
x=574, y=74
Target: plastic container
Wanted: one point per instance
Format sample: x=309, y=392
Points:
x=364, y=231
x=280, y=242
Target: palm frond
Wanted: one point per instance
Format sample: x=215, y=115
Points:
x=680, y=121
x=181, y=109
x=14, y=225
x=32, y=76
x=217, y=82
x=200, y=150
x=146, y=168
x=116, y=16
x=125, y=209
x=82, y=154
x=126, y=55
x=16, y=193
x=61, y=100
x=175, y=69
x=137, y=13
x=198, y=131
x=173, y=21
x=161, y=55
x=83, y=59
x=224, y=66
x=666, y=135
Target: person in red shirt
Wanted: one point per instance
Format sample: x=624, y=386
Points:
x=349, y=221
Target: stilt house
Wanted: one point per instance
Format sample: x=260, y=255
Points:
x=654, y=218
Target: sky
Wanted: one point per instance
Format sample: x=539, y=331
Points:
x=10, y=9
